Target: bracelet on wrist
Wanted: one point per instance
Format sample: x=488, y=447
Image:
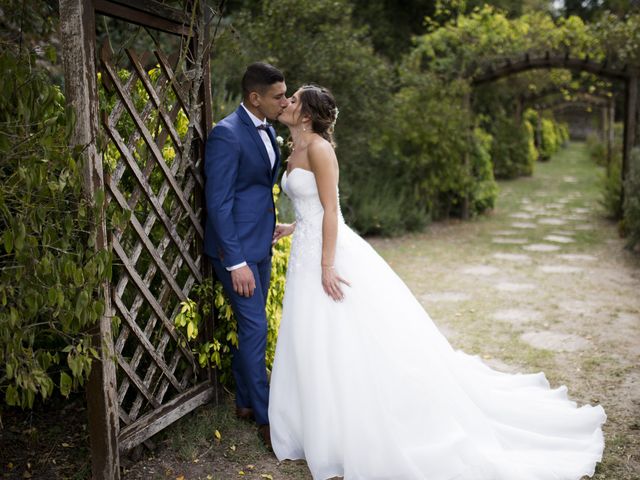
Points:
x=326, y=266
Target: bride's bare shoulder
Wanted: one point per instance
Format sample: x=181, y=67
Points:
x=320, y=148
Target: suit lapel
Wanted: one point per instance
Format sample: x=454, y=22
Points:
x=255, y=136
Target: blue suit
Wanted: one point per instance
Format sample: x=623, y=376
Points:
x=240, y=224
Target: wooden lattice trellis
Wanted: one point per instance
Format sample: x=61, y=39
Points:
x=159, y=253
x=150, y=165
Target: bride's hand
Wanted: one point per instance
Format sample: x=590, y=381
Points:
x=282, y=230
x=331, y=283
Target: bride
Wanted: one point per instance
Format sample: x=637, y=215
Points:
x=365, y=387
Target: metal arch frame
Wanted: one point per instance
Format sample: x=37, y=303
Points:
x=629, y=74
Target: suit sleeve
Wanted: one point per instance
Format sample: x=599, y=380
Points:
x=222, y=159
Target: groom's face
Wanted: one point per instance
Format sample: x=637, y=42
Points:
x=273, y=101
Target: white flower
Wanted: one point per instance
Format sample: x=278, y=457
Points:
x=280, y=140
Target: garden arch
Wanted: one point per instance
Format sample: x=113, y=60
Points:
x=149, y=170
x=630, y=75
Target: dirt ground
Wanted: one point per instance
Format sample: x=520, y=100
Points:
x=542, y=283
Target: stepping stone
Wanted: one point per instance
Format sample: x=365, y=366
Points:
x=481, y=270
x=559, y=269
x=585, y=226
x=506, y=232
x=558, y=239
x=513, y=257
x=569, y=179
x=517, y=316
x=578, y=257
x=554, y=206
x=541, y=247
x=581, y=210
x=555, y=341
x=512, y=241
x=514, y=287
x=445, y=297
x=523, y=225
x=522, y=215
x=579, y=307
x=563, y=233
x=551, y=221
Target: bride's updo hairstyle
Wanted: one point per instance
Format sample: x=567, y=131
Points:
x=318, y=103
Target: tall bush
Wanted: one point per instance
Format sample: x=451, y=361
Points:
x=511, y=148
x=632, y=201
x=316, y=42
x=429, y=146
x=49, y=272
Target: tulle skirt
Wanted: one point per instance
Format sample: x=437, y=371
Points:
x=368, y=389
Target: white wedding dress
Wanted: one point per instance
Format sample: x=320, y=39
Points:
x=369, y=389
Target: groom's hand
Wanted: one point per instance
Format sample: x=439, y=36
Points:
x=243, y=281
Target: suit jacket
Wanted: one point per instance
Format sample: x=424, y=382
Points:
x=239, y=191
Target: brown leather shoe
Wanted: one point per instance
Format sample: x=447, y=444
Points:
x=244, y=413
x=264, y=432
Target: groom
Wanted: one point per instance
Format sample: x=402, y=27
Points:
x=241, y=161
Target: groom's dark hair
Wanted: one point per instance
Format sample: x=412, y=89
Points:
x=259, y=77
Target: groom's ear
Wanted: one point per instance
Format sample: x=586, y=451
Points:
x=254, y=99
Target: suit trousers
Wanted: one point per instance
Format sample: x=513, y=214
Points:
x=248, y=364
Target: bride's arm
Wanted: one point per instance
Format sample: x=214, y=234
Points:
x=323, y=163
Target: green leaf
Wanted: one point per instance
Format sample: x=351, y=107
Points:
x=8, y=241
x=66, y=383
x=11, y=396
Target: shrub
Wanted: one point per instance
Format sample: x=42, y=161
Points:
x=550, y=140
x=632, y=201
x=485, y=189
x=611, y=188
x=511, y=150
x=49, y=272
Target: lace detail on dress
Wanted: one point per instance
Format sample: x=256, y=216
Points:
x=301, y=188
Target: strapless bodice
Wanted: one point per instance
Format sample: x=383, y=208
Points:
x=300, y=186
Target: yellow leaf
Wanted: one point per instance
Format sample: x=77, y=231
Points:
x=240, y=472
x=250, y=467
x=217, y=435
x=267, y=476
x=181, y=477
x=233, y=448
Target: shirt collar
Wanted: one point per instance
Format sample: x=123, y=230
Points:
x=256, y=121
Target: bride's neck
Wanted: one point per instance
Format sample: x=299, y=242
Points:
x=299, y=137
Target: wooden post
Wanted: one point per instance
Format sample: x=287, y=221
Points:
x=77, y=28
x=630, y=126
x=611, y=120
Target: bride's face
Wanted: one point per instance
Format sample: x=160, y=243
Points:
x=291, y=116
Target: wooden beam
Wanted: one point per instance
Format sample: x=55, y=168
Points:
x=146, y=13
x=147, y=426
x=77, y=28
x=548, y=61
